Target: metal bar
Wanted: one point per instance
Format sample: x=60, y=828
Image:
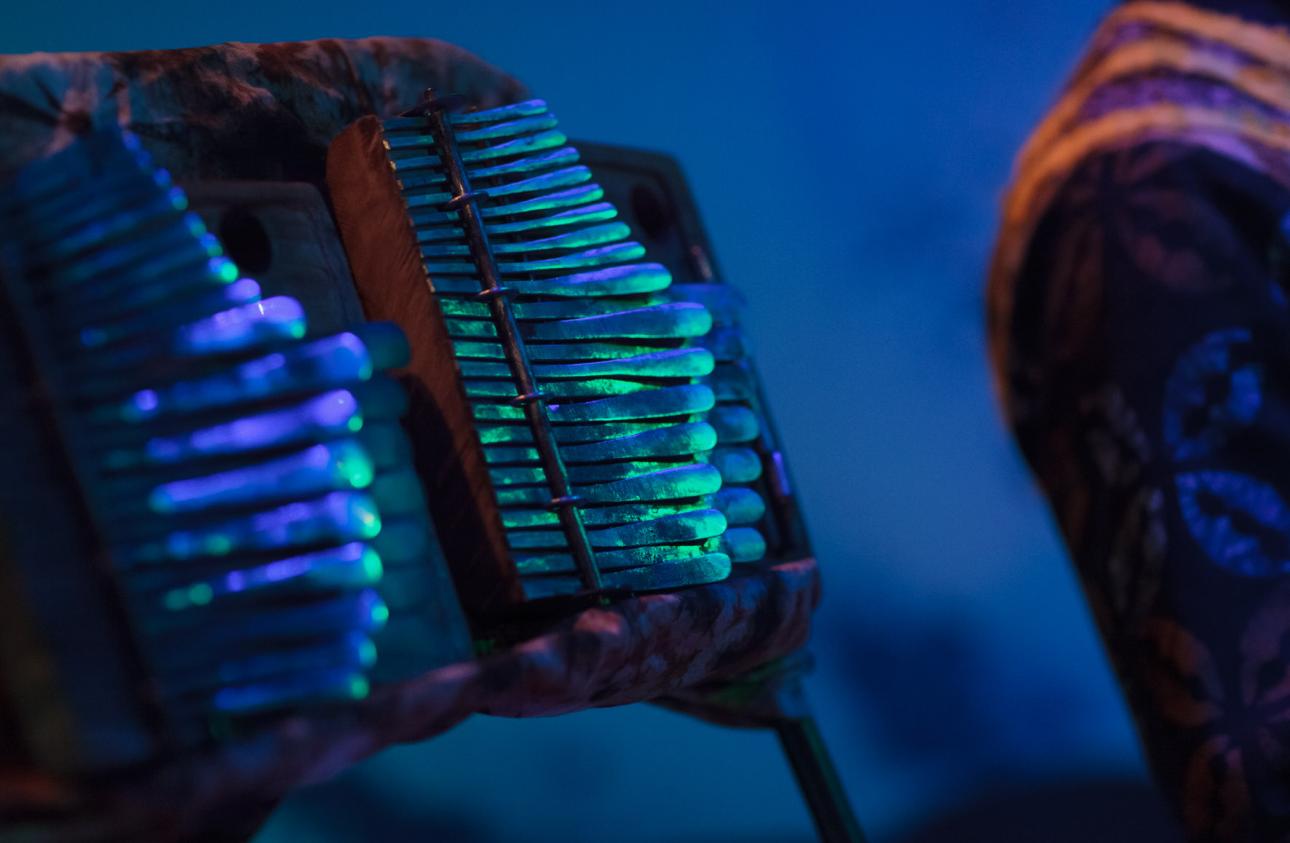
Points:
x=466, y=203
x=818, y=780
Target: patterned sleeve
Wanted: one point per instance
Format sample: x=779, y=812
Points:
x=1149, y=389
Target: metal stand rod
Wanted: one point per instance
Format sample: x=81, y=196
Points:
x=818, y=780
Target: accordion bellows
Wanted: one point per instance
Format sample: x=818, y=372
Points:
x=564, y=418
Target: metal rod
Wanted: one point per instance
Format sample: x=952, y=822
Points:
x=466, y=204
x=818, y=780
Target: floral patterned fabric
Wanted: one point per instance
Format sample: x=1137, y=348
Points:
x=231, y=111
x=1141, y=336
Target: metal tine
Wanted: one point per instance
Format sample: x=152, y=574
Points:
x=592, y=235
x=419, y=179
x=740, y=505
x=99, y=210
x=516, y=477
x=614, y=559
x=122, y=264
x=723, y=301
x=438, y=233
x=671, y=363
x=733, y=382
x=137, y=334
x=119, y=264
x=309, y=688
x=100, y=159
x=530, y=163
x=737, y=465
x=241, y=329
x=526, y=485
x=520, y=434
x=597, y=516
x=334, y=361
x=139, y=503
x=685, y=439
x=666, y=401
x=403, y=162
x=353, y=651
x=563, y=177
x=546, y=183
x=446, y=250
x=166, y=280
x=523, y=145
x=600, y=256
x=103, y=223
x=630, y=279
x=418, y=159
x=677, y=320
x=138, y=342
x=403, y=544
x=341, y=464
x=163, y=280
x=410, y=179
x=80, y=200
x=558, y=390
x=437, y=269
x=668, y=363
x=337, y=518
x=743, y=544
x=353, y=565
x=547, y=310
x=666, y=321
x=734, y=423
x=711, y=567
x=554, y=352
x=527, y=108
x=418, y=201
x=726, y=344
x=597, y=212
x=88, y=280
x=247, y=630
x=587, y=258
x=332, y=413
x=54, y=179
x=676, y=400
x=419, y=139
x=694, y=525
x=487, y=133
x=583, y=195
x=94, y=222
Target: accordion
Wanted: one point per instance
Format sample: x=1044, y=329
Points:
x=506, y=387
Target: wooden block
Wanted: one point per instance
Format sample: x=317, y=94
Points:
x=392, y=285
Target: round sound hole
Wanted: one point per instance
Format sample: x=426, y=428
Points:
x=245, y=240
x=652, y=212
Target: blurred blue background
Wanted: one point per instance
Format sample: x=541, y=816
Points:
x=848, y=159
